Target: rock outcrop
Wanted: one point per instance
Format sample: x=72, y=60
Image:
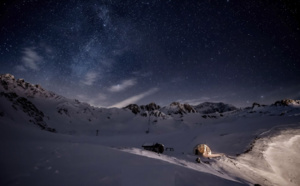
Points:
x=20, y=103
x=210, y=108
x=8, y=83
x=287, y=102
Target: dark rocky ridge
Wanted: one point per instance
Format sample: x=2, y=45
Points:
x=23, y=104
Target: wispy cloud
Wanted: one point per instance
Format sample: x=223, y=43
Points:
x=177, y=80
x=90, y=78
x=31, y=59
x=124, y=85
x=135, y=98
x=142, y=74
x=97, y=100
x=20, y=68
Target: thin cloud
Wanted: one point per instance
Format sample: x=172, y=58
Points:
x=135, y=98
x=97, y=100
x=20, y=68
x=142, y=74
x=123, y=86
x=90, y=78
x=31, y=59
x=177, y=80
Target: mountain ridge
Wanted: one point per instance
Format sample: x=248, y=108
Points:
x=54, y=112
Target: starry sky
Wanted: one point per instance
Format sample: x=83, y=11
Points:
x=116, y=52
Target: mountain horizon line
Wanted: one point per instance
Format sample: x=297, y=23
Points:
x=38, y=86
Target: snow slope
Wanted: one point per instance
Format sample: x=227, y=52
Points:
x=273, y=159
x=100, y=146
x=34, y=157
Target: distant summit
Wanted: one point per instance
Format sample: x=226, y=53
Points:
x=279, y=103
x=287, y=102
x=152, y=109
x=178, y=108
x=209, y=108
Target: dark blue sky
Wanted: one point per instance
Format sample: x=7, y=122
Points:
x=111, y=53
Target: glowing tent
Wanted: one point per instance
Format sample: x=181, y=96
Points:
x=204, y=150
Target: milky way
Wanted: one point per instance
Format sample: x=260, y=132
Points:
x=111, y=53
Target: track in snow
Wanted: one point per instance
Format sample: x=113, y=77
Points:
x=202, y=167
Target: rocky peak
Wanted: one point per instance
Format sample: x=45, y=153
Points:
x=20, y=86
x=7, y=76
x=175, y=104
x=35, y=115
x=134, y=108
x=287, y=102
x=189, y=108
x=150, y=107
x=178, y=108
x=209, y=107
x=255, y=105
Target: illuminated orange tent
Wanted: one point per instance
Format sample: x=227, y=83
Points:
x=204, y=150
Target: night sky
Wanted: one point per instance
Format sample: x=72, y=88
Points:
x=116, y=52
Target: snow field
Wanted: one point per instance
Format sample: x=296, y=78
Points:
x=273, y=160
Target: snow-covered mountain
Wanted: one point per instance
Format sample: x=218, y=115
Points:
x=178, y=108
x=73, y=111
x=151, y=109
x=83, y=145
x=210, y=108
x=23, y=88
x=287, y=102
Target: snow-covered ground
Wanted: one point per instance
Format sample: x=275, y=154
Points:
x=273, y=159
x=34, y=157
x=99, y=146
x=31, y=156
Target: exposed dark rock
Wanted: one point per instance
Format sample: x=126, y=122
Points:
x=4, y=84
x=189, y=108
x=178, y=108
x=134, y=108
x=63, y=111
x=21, y=103
x=255, y=105
x=150, y=107
x=8, y=82
x=210, y=108
x=10, y=96
x=286, y=102
x=144, y=114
